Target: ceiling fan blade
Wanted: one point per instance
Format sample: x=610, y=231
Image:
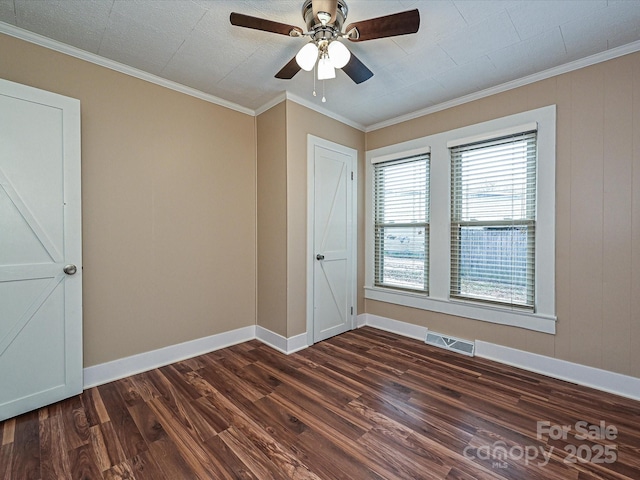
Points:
x=289, y=70
x=240, y=20
x=327, y=6
x=401, y=23
x=357, y=71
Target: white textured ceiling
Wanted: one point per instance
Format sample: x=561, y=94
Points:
x=463, y=46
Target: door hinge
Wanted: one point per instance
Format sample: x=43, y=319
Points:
x=351, y=175
x=351, y=310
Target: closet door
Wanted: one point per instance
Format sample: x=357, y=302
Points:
x=40, y=249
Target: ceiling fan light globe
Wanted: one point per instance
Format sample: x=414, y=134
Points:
x=338, y=54
x=307, y=56
x=325, y=69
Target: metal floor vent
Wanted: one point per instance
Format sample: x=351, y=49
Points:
x=464, y=347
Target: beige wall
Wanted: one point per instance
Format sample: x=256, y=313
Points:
x=272, y=219
x=302, y=121
x=169, y=207
x=597, y=214
x=282, y=211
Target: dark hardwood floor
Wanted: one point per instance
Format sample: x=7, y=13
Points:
x=363, y=405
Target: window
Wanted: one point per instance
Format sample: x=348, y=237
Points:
x=493, y=216
x=402, y=223
x=462, y=222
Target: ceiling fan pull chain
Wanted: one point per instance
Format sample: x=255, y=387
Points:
x=314, y=80
x=324, y=99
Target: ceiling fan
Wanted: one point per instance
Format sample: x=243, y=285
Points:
x=324, y=20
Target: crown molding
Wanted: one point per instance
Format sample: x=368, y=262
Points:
x=312, y=106
x=281, y=97
x=536, y=77
x=42, y=41
x=46, y=42
x=57, y=46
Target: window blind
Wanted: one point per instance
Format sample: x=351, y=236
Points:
x=493, y=220
x=401, y=210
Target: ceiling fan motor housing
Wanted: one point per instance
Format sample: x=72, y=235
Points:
x=329, y=31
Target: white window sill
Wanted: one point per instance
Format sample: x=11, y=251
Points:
x=531, y=321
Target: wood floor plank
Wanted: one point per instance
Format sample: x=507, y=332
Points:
x=26, y=448
x=343, y=356
x=363, y=405
x=277, y=420
x=278, y=455
x=246, y=430
x=8, y=431
x=203, y=387
x=192, y=416
x=233, y=361
x=130, y=437
x=404, y=463
x=235, y=467
x=260, y=379
x=76, y=426
x=343, y=435
x=172, y=394
x=145, y=387
x=144, y=467
x=129, y=392
x=255, y=460
x=279, y=361
x=106, y=446
x=186, y=442
x=169, y=460
x=329, y=460
x=54, y=460
x=84, y=464
x=294, y=380
x=93, y=407
x=179, y=383
x=225, y=381
x=299, y=401
x=6, y=461
x=122, y=471
x=148, y=424
x=210, y=413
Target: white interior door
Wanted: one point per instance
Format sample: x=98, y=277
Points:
x=332, y=246
x=40, y=234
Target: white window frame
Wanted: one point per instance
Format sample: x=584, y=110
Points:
x=409, y=155
x=543, y=319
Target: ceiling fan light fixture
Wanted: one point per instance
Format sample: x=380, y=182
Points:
x=325, y=69
x=325, y=20
x=307, y=56
x=338, y=54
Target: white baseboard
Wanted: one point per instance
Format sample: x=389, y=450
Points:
x=124, y=367
x=142, y=362
x=280, y=343
x=394, y=326
x=597, y=378
x=604, y=380
x=297, y=343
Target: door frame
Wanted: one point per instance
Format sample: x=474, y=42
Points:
x=312, y=142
